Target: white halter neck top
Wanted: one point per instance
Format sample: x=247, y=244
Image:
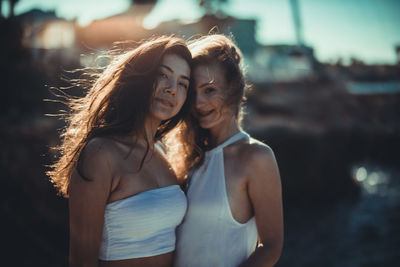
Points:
x=209, y=235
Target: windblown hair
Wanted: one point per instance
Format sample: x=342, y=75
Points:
x=221, y=50
x=117, y=103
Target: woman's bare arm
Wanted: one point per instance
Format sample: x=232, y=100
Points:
x=87, y=201
x=264, y=188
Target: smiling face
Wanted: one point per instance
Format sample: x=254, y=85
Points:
x=211, y=94
x=171, y=87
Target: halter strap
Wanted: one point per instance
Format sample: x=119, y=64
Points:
x=230, y=140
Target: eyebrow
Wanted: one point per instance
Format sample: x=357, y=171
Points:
x=171, y=70
x=207, y=84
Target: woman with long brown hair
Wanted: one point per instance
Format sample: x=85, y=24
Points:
x=234, y=191
x=124, y=197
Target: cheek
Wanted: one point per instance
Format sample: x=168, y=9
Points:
x=160, y=83
x=218, y=101
x=227, y=112
x=182, y=97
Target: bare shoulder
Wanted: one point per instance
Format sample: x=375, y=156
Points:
x=99, y=148
x=255, y=152
x=258, y=160
x=97, y=157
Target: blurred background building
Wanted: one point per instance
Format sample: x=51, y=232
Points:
x=330, y=115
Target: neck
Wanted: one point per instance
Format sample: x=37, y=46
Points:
x=141, y=138
x=150, y=127
x=223, y=132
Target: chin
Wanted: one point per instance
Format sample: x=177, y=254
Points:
x=163, y=116
x=206, y=125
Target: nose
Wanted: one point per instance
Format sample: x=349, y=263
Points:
x=199, y=101
x=171, y=88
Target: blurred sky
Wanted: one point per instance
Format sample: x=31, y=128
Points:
x=365, y=29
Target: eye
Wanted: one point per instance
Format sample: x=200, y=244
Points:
x=209, y=90
x=184, y=85
x=163, y=75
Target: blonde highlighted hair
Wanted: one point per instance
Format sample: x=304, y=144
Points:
x=221, y=50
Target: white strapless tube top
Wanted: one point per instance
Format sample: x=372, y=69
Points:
x=142, y=225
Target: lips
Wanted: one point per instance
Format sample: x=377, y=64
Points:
x=164, y=101
x=203, y=114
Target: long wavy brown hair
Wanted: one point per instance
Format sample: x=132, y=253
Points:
x=117, y=102
x=221, y=50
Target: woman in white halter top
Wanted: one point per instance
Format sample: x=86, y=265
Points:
x=124, y=199
x=234, y=191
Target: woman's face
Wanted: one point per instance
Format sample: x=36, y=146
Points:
x=171, y=87
x=211, y=91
